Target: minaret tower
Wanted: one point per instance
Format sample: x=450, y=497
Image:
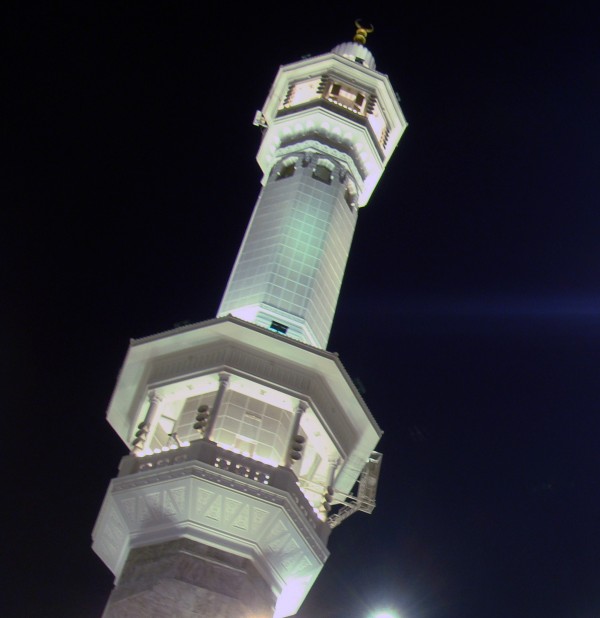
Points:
x=248, y=440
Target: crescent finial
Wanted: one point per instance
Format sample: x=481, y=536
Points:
x=362, y=32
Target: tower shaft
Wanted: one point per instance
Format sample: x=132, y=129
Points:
x=289, y=270
x=184, y=578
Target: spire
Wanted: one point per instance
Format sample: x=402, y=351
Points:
x=355, y=50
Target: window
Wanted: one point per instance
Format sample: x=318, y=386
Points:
x=253, y=426
x=162, y=432
x=302, y=92
x=185, y=424
x=322, y=173
x=288, y=167
x=278, y=327
x=358, y=102
x=287, y=170
x=347, y=96
x=245, y=446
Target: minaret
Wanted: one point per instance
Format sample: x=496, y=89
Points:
x=248, y=440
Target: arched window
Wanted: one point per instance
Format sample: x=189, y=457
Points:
x=323, y=171
x=288, y=167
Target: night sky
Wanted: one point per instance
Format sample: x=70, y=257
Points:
x=470, y=309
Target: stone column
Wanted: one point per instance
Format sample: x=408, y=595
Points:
x=144, y=427
x=300, y=410
x=223, y=386
x=333, y=462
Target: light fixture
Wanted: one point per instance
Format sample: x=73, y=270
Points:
x=385, y=614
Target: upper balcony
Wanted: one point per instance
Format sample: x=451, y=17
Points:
x=327, y=99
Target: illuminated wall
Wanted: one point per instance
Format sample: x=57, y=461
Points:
x=289, y=271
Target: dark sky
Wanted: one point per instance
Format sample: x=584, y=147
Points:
x=470, y=309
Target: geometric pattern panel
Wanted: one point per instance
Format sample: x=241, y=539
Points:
x=218, y=509
x=111, y=532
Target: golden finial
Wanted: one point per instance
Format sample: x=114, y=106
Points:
x=361, y=32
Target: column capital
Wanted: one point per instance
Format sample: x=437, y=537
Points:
x=154, y=397
x=302, y=407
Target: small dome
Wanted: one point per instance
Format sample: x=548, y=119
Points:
x=357, y=52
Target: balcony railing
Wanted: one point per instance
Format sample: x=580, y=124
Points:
x=208, y=452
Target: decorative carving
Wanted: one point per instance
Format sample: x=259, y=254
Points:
x=277, y=537
x=167, y=504
x=110, y=534
x=203, y=498
x=215, y=510
x=242, y=519
x=320, y=148
x=231, y=509
x=174, y=501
